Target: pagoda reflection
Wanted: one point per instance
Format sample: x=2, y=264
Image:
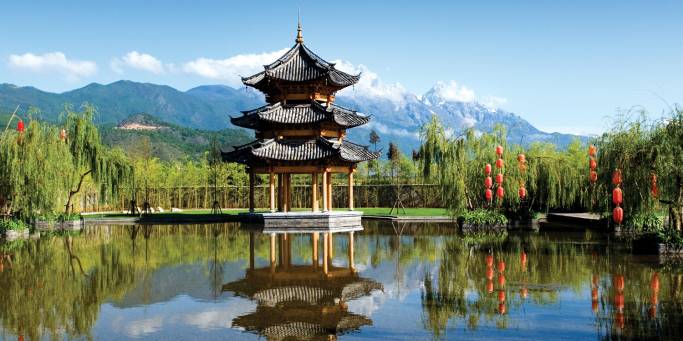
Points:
x=302, y=301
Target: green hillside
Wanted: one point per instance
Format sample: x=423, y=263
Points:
x=169, y=141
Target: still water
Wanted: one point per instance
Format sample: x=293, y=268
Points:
x=401, y=281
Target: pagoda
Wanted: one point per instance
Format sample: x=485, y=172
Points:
x=300, y=130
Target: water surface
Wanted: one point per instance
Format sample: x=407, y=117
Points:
x=402, y=281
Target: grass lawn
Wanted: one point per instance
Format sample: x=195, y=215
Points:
x=379, y=211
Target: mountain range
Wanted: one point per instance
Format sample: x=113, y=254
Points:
x=209, y=107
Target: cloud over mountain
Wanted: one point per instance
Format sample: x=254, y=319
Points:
x=53, y=62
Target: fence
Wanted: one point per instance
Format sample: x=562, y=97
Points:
x=384, y=195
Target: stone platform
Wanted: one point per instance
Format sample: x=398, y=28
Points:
x=304, y=220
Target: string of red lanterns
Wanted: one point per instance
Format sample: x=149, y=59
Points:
x=488, y=183
x=593, y=163
x=500, y=191
x=617, y=197
x=521, y=162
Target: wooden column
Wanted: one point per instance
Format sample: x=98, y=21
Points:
x=350, y=189
x=352, y=266
x=325, y=251
x=280, y=206
x=329, y=191
x=272, y=252
x=314, y=240
x=251, y=190
x=325, y=205
x=314, y=192
x=251, y=250
x=288, y=192
x=272, y=191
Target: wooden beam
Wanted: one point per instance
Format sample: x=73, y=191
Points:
x=325, y=205
x=267, y=134
x=272, y=191
x=350, y=191
x=304, y=169
x=251, y=190
x=314, y=192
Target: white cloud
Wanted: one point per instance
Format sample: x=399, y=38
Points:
x=231, y=69
x=54, y=62
x=493, y=102
x=371, y=86
x=140, y=61
x=451, y=91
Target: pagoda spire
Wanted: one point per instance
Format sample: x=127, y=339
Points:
x=299, y=34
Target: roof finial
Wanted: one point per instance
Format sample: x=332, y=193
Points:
x=299, y=35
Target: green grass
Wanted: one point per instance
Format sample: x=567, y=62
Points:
x=370, y=211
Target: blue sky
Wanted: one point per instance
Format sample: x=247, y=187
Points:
x=564, y=66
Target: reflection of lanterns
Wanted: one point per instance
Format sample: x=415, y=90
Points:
x=499, y=150
x=489, y=286
x=594, y=306
x=594, y=294
x=619, y=282
x=617, y=196
x=501, y=266
x=619, y=319
x=489, y=273
x=618, y=215
x=488, y=182
x=499, y=163
x=593, y=165
x=62, y=135
x=487, y=169
x=489, y=260
x=502, y=309
x=488, y=193
x=501, y=296
x=619, y=301
x=524, y=292
x=500, y=193
x=594, y=176
x=654, y=282
x=522, y=192
x=501, y=280
x=499, y=179
x=521, y=158
x=522, y=258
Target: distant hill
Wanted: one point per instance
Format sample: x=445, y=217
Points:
x=209, y=107
x=168, y=141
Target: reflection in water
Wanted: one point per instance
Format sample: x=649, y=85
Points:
x=302, y=301
x=418, y=281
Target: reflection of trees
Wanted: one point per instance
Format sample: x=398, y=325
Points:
x=536, y=269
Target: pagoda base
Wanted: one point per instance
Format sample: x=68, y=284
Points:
x=302, y=221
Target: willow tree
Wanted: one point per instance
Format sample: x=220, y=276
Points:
x=668, y=165
x=109, y=169
x=555, y=179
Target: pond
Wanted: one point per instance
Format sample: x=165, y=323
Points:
x=400, y=281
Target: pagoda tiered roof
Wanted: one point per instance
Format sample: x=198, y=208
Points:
x=300, y=64
x=299, y=150
x=280, y=114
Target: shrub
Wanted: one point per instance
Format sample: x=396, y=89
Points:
x=12, y=225
x=482, y=217
x=645, y=222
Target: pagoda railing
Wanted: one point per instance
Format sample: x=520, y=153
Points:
x=184, y=197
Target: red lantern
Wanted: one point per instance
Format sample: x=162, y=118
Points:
x=499, y=179
x=522, y=192
x=20, y=126
x=489, y=261
x=488, y=194
x=488, y=182
x=489, y=286
x=654, y=283
x=62, y=135
x=616, y=177
x=619, y=282
x=499, y=163
x=619, y=301
x=594, y=176
x=592, y=150
x=593, y=165
x=521, y=158
x=522, y=258
x=487, y=169
x=489, y=273
x=501, y=280
x=500, y=193
x=653, y=186
x=501, y=296
x=618, y=215
x=502, y=309
x=499, y=150
x=617, y=196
